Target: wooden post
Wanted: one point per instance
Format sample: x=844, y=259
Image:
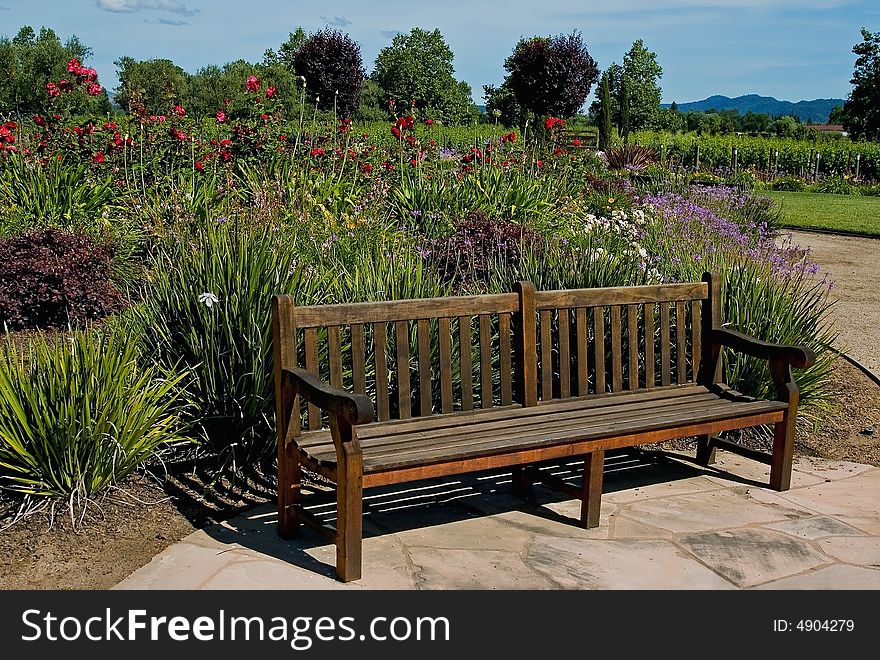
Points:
x=858, y=162
x=816, y=171
x=775, y=163
x=697, y=158
x=287, y=419
x=525, y=346
x=783, y=432
x=591, y=498
x=735, y=160
x=349, y=499
x=711, y=362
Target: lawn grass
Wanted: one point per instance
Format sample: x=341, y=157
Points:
x=843, y=213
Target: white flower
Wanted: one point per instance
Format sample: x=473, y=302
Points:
x=208, y=299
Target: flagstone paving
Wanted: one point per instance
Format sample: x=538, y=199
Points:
x=666, y=524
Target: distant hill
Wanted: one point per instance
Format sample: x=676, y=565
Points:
x=815, y=112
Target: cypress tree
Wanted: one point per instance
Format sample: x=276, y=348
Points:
x=605, y=114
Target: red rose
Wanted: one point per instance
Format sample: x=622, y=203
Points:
x=317, y=151
x=39, y=121
x=99, y=157
x=221, y=116
x=539, y=163
x=73, y=66
x=179, y=111
x=200, y=166
x=557, y=151
x=94, y=89
x=395, y=132
x=264, y=117
x=270, y=92
x=576, y=142
x=429, y=122
x=252, y=84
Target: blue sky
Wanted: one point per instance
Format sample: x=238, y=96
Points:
x=790, y=49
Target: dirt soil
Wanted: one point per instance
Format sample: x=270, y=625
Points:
x=854, y=264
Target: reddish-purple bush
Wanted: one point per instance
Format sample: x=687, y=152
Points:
x=330, y=61
x=52, y=279
x=478, y=241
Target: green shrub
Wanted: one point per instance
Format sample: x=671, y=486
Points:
x=789, y=184
x=838, y=185
x=53, y=195
x=78, y=413
x=207, y=308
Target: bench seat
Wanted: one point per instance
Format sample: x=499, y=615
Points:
x=509, y=431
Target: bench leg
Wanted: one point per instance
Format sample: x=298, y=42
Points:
x=591, y=498
x=783, y=453
x=522, y=481
x=705, y=450
x=289, y=485
x=349, y=518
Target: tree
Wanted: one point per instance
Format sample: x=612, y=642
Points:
x=150, y=86
x=862, y=108
x=417, y=68
x=641, y=70
x=837, y=115
x=605, y=112
x=30, y=61
x=624, y=103
x=330, y=61
x=501, y=103
x=551, y=75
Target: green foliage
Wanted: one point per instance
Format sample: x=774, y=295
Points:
x=624, y=105
x=56, y=195
x=551, y=75
x=605, y=113
x=837, y=185
x=78, y=413
x=29, y=61
x=150, y=87
x=207, y=308
x=417, y=68
x=861, y=112
x=501, y=105
x=790, y=183
x=637, y=79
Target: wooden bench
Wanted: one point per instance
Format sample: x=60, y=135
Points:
x=398, y=391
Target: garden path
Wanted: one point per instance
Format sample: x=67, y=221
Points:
x=854, y=264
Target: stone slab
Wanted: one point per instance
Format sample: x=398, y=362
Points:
x=839, y=576
x=439, y=568
x=816, y=527
x=863, y=550
x=748, y=557
x=180, y=566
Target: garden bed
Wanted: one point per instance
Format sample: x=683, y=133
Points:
x=123, y=531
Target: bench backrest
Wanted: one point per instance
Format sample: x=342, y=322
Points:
x=457, y=353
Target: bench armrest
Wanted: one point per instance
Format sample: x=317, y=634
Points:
x=799, y=357
x=353, y=408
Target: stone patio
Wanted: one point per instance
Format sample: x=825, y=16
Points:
x=666, y=524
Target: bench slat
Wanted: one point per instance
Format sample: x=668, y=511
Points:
x=401, y=339
x=467, y=366
x=310, y=336
x=358, y=372
x=632, y=317
x=696, y=346
x=564, y=355
x=625, y=295
x=380, y=346
x=477, y=441
x=650, y=366
x=479, y=416
x=580, y=316
x=680, y=343
x=424, y=342
x=599, y=347
x=505, y=361
x=616, y=350
x=664, y=344
x=485, y=325
x=546, y=331
x=405, y=310
x=334, y=355
x=445, y=341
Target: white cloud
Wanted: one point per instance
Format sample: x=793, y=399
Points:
x=129, y=6
x=336, y=21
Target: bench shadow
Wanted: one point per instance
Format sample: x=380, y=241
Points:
x=424, y=504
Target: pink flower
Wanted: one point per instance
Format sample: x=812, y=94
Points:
x=73, y=66
x=270, y=92
x=252, y=84
x=179, y=111
x=53, y=90
x=221, y=117
x=94, y=89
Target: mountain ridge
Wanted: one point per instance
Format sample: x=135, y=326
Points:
x=815, y=111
